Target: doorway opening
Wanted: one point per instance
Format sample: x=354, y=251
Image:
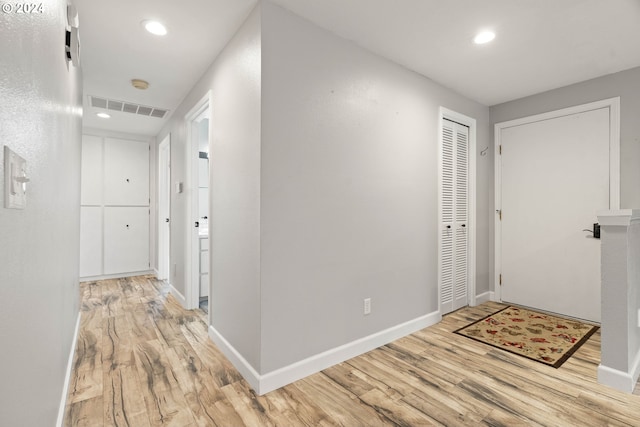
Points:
x=197, y=193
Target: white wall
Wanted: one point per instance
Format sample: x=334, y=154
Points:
x=234, y=225
x=620, y=361
x=349, y=190
x=40, y=118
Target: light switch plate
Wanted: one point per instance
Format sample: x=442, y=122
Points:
x=15, y=180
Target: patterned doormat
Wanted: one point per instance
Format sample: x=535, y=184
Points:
x=541, y=337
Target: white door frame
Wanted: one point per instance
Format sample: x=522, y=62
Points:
x=614, y=167
x=471, y=261
x=192, y=243
x=164, y=208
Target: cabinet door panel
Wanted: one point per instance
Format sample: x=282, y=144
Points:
x=126, y=177
x=91, y=170
x=126, y=239
x=90, y=241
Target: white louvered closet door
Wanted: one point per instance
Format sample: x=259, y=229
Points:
x=454, y=202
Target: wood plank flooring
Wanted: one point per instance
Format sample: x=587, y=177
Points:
x=141, y=360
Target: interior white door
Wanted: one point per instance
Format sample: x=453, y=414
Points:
x=454, y=215
x=555, y=178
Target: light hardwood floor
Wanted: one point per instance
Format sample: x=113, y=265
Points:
x=141, y=360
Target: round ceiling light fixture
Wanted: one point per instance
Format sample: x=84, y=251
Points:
x=140, y=84
x=484, y=37
x=103, y=115
x=154, y=27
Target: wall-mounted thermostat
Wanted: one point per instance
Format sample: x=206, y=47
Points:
x=15, y=180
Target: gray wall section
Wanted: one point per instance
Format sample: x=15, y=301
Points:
x=39, y=246
x=349, y=190
x=234, y=225
x=324, y=190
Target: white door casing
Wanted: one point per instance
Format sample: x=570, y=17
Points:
x=456, y=208
x=164, y=209
x=553, y=173
x=192, y=243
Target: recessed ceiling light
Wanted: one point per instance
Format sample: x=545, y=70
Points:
x=103, y=115
x=484, y=37
x=154, y=27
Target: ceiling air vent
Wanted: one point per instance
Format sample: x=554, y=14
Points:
x=127, y=107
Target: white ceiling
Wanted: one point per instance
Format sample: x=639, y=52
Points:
x=540, y=44
x=115, y=48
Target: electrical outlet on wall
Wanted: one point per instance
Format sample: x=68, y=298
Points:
x=367, y=306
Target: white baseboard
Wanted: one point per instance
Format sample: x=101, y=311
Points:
x=177, y=295
x=494, y=297
x=115, y=276
x=482, y=298
x=620, y=380
x=279, y=378
x=67, y=378
x=237, y=360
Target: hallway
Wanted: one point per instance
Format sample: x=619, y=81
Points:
x=141, y=360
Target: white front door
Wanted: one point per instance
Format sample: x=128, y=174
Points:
x=555, y=177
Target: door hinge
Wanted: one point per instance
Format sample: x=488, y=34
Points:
x=499, y=212
x=500, y=279
x=500, y=149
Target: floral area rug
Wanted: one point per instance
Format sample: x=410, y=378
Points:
x=541, y=337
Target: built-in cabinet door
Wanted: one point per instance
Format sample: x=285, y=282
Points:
x=90, y=241
x=454, y=213
x=126, y=239
x=91, y=194
x=126, y=181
